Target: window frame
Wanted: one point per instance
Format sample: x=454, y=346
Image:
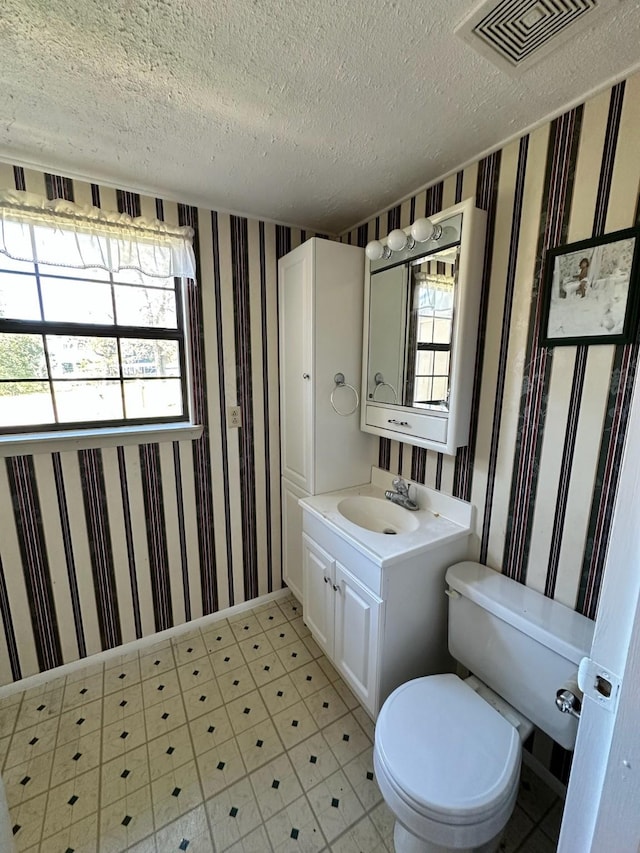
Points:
x=122, y=428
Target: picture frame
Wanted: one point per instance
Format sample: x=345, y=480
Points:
x=590, y=291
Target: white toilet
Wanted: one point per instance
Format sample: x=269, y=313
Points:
x=447, y=751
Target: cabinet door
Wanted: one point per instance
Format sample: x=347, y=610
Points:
x=295, y=272
x=292, y=537
x=318, y=593
x=357, y=629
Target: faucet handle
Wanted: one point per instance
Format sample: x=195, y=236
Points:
x=400, y=486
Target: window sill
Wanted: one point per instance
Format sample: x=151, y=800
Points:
x=83, y=439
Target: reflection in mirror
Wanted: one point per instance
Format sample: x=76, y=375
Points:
x=410, y=331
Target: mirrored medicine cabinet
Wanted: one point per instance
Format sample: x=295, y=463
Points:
x=420, y=332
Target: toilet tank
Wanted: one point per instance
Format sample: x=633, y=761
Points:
x=520, y=643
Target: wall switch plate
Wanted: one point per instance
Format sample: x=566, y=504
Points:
x=234, y=417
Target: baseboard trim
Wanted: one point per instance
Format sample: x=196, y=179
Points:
x=138, y=645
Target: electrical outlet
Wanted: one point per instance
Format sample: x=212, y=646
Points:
x=234, y=417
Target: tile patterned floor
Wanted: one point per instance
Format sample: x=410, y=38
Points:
x=238, y=738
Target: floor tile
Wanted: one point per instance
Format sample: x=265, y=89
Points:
x=189, y=832
x=290, y=607
x=384, y=821
x=71, y=801
x=81, y=837
x=170, y=751
x=294, y=655
x=218, y=637
x=335, y=805
x=227, y=659
x=359, y=772
x=8, y=718
x=189, y=650
x=83, y=691
x=266, y=669
x=29, y=743
x=550, y=823
x=255, y=647
x=516, y=830
x=164, y=716
x=295, y=828
x=538, y=842
x=275, y=786
x=195, y=673
x=202, y=700
x=236, y=682
x=246, y=712
x=175, y=793
x=80, y=722
x=325, y=706
x=309, y=678
x=157, y=662
x=259, y=744
x=126, y=822
x=160, y=687
x=279, y=694
x=294, y=724
x=124, y=775
x=255, y=842
x=313, y=760
x=76, y=757
x=24, y=781
x=245, y=625
x=233, y=814
x=281, y=635
x=210, y=730
x=346, y=738
x=270, y=617
x=27, y=820
x=534, y=796
x=122, y=703
x=122, y=676
x=220, y=767
x=362, y=836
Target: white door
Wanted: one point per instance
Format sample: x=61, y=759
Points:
x=318, y=593
x=602, y=807
x=357, y=629
x=292, y=537
x=295, y=273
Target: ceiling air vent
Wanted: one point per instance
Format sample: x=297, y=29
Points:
x=516, y=34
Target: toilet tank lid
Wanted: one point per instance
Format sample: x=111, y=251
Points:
x=561, y=629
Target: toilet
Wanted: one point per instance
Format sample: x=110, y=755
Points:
x=447, y=751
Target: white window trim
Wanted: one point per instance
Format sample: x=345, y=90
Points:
x=26, y=444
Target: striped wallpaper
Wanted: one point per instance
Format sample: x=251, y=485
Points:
x=99, y=547
x=548, y=425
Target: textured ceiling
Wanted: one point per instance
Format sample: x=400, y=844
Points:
x=315, y=112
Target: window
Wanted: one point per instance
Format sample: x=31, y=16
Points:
x=88, y=347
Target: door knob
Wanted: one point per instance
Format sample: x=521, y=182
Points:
x=306, y=376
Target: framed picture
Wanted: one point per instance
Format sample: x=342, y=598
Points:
x=590, y=291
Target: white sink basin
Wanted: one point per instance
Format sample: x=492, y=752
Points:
x=378, y=515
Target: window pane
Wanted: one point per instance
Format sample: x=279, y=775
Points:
x=88, y=274
x=22, y=357
x=138, y=278
x=424, y=363
x=76, y=301
x=441, y=331
x=7, y=263
x=425, y=329
x=440, y=387
x=88, y=401
x=149, y=358
x=75, y=356
x=442, y=363
x=141, y=306
x=19, y=297
x=153, y=398
x=422, y=391
x=25, y=403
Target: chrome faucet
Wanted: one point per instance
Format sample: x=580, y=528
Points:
x=401, y=495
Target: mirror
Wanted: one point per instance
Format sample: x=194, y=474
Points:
x=420, y=331
x=410, y=331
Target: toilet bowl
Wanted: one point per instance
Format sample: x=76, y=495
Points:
x=447, y=751
x=447, y=764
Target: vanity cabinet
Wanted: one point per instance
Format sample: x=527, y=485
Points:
x=320, y=295
x=380, y=622
x=344, y=618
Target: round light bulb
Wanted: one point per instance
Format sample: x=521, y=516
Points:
x=397, y=240
x=422, y=230
x=374, y=250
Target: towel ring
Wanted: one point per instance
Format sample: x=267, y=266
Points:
x=380, y=383
x=340, y=383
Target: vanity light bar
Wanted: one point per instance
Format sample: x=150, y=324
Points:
x=421, y=231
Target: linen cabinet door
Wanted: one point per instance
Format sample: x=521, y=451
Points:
x=357, y=632
x=318, y=569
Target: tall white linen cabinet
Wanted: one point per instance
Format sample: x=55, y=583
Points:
x=321, y=287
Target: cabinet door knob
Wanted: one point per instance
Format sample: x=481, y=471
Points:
x=306, y=376
x=336, y=588
x=326, y=579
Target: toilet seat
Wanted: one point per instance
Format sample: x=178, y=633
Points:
x=447, y=758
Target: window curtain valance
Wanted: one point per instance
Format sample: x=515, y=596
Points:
x=64, y=234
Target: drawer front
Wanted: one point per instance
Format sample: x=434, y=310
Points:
x=408, y=423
